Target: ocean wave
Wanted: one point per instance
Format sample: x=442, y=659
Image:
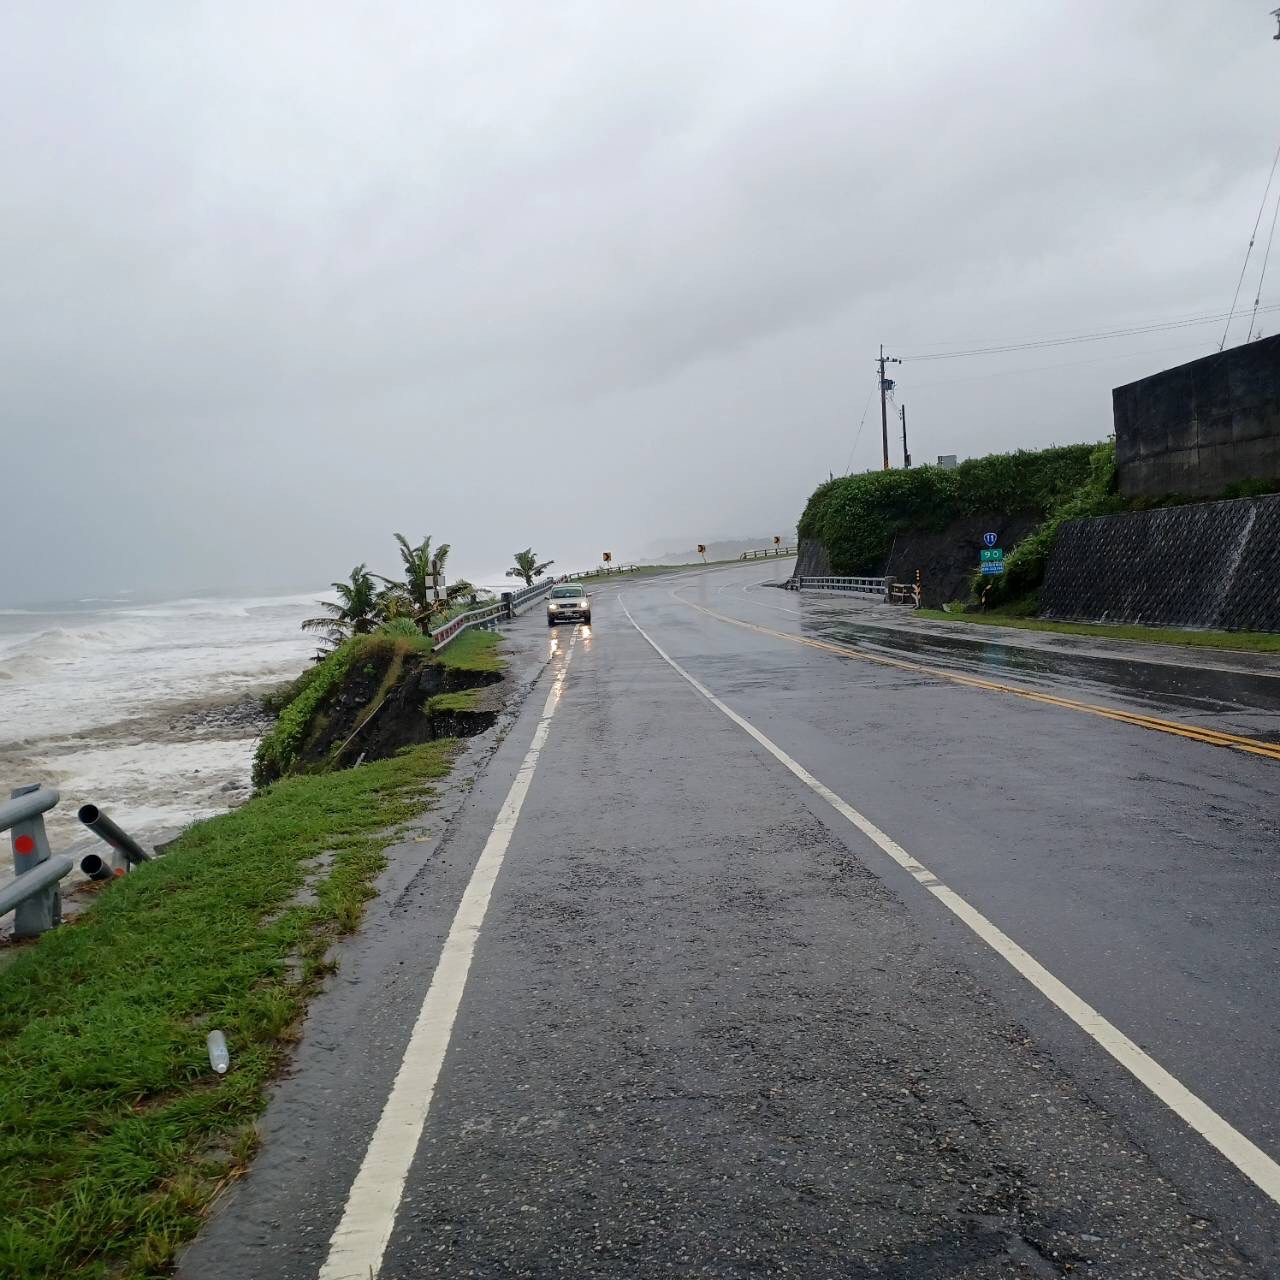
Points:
x=59, y=645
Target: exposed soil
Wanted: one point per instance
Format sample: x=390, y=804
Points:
x=380, y=708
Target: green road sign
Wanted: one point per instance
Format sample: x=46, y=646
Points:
x=992, y=553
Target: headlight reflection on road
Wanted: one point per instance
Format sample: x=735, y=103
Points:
x=586, y=634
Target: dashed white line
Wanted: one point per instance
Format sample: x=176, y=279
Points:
x=1250, y=1159
x=360, y=1241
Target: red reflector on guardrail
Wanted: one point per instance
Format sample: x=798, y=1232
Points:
x=24, y=844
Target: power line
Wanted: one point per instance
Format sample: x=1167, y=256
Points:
x=1252, y=237
x=862, y=423
x=1062, y=364
x=929, y=348
x=1266, y=257
x=1100, y=336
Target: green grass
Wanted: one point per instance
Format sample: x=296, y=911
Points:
x=648, y=570
x=474, y=650
x=278, y=751
x=1250, y=641
x=462, y=700
x=114, y=1132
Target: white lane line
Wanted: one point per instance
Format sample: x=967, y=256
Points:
x=777, y=608
x=1251, y=1160
x=357, y=1246
x=673, y=592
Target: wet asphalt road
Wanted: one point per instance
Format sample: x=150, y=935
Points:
x=711, y=1030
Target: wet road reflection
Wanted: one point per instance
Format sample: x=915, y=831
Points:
x=1250, y=701
x=1184, y=683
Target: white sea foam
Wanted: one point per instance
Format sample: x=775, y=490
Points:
x=88, y=694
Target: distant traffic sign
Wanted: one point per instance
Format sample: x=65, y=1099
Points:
x=992, y=566
x=992, y=553
x=991, y=539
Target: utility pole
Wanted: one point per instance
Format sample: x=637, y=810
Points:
x=906, y=456
x=885, y=386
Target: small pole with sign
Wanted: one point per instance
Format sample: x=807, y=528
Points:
x=991, y=557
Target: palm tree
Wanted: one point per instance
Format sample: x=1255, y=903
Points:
x=394, y=604
x=457, y=589
x=417, y=586
x=356, y=611
x=527, y=566
x=438, y=558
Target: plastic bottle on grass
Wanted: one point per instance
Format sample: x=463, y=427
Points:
x=219, y=1057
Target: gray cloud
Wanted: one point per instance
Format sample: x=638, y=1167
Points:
x=289, y=277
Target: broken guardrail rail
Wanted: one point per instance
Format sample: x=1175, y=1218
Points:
x=35, y=893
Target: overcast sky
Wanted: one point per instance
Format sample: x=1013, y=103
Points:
x=281, y=278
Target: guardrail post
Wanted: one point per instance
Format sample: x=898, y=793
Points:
x=508, y=605
x=30, y=844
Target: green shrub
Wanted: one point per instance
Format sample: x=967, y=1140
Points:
x=405, y=627
x=279, y=749
x=1024, y=567
x=857, y=517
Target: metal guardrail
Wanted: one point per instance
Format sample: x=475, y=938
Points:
x=885, y=589
x=488, y=616
x=517, y=600
x=34, y=896
x=604, y=571
x=767, y=553
x=858, y=586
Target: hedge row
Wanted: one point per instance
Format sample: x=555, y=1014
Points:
x=857, y=517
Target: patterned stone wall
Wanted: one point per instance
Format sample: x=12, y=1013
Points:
x=1212, y=564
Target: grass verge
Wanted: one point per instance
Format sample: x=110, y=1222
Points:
x=649, y=570
x=114, y=1132
x=462, y=700
x=1247, y=641
x=474, y=650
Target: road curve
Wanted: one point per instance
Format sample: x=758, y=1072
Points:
x=684, y=1015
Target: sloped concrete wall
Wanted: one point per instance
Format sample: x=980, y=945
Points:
x=812, y=560
x=1213, y=564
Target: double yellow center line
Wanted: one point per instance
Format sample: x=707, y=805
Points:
x=1213, y=737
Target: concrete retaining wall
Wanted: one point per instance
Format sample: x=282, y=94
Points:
x=1213, y=564
x=946, y=561
x=812, y=560
x=1203, y=426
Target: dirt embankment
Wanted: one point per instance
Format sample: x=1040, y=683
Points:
x=389, y=700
